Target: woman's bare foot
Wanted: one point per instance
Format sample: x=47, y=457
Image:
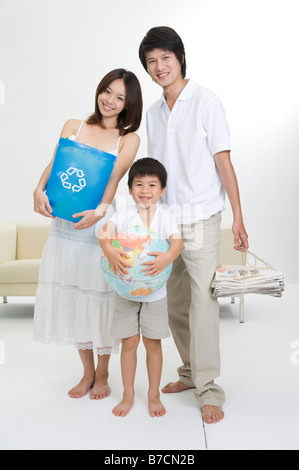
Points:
x=212, y=414
x=123, y=408
x=175, y=387
x=100, y=388
x=83, y=387
x=155, y=406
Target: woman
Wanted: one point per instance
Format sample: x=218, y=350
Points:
x=74, y=305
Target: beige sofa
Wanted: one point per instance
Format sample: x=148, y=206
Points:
x=21, y=247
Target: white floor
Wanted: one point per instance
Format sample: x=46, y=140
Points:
x=259, y=377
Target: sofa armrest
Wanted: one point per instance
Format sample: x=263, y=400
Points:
x=8, y=242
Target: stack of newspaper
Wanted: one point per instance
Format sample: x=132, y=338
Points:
x=235, y=280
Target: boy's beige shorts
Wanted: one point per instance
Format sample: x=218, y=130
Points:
x=132, y=318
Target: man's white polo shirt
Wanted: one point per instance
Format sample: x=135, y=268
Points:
x=185, y=140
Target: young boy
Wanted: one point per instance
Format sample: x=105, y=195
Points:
x=147, y=183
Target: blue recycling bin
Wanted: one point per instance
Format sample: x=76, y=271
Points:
x=78, y=178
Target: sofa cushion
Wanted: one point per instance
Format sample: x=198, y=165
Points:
x=19, y=271
x=31, y=239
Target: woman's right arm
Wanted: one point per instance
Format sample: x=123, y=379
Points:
x=41, y=201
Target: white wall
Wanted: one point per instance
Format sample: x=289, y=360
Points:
x=53, y=54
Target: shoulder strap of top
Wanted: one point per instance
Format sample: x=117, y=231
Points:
x=79, y=128
x=118, y=143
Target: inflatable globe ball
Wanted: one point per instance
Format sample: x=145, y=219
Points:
x=137, y=242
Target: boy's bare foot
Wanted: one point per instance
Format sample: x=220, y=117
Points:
x=212, y=414
x=175, y=387
x=100, y=388
x=83, y=387
x=123, y=408
x=155, y=406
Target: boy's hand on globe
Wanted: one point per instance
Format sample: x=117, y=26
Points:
x=116, y=258
x=161, y=261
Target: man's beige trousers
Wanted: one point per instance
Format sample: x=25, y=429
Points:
x=194, y=313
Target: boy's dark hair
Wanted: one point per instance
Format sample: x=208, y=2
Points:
x=167, y=39
x=148, y=167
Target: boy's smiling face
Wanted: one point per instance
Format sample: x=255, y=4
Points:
x=146, y=190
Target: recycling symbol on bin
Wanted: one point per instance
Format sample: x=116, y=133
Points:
x=80, y=184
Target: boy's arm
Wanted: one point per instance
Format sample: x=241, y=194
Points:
x=176, y=246
x=162, y=260
x=116, y=256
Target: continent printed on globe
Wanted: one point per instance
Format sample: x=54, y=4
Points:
x=137, y=242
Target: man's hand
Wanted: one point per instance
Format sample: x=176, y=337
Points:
x=240, y=236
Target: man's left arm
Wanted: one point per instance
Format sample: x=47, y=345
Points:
x=229, y=180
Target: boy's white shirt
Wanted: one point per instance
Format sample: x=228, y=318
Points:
x=163, y=222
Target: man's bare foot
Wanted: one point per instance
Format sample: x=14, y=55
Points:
x=175, y=387
x=100, y=388
x=123, y=408
x=83, y=387
x=212, y=414
x=155, y=406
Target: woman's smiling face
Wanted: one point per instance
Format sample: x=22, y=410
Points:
x=112, y=101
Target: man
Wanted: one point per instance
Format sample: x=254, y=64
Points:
x=188, y=133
